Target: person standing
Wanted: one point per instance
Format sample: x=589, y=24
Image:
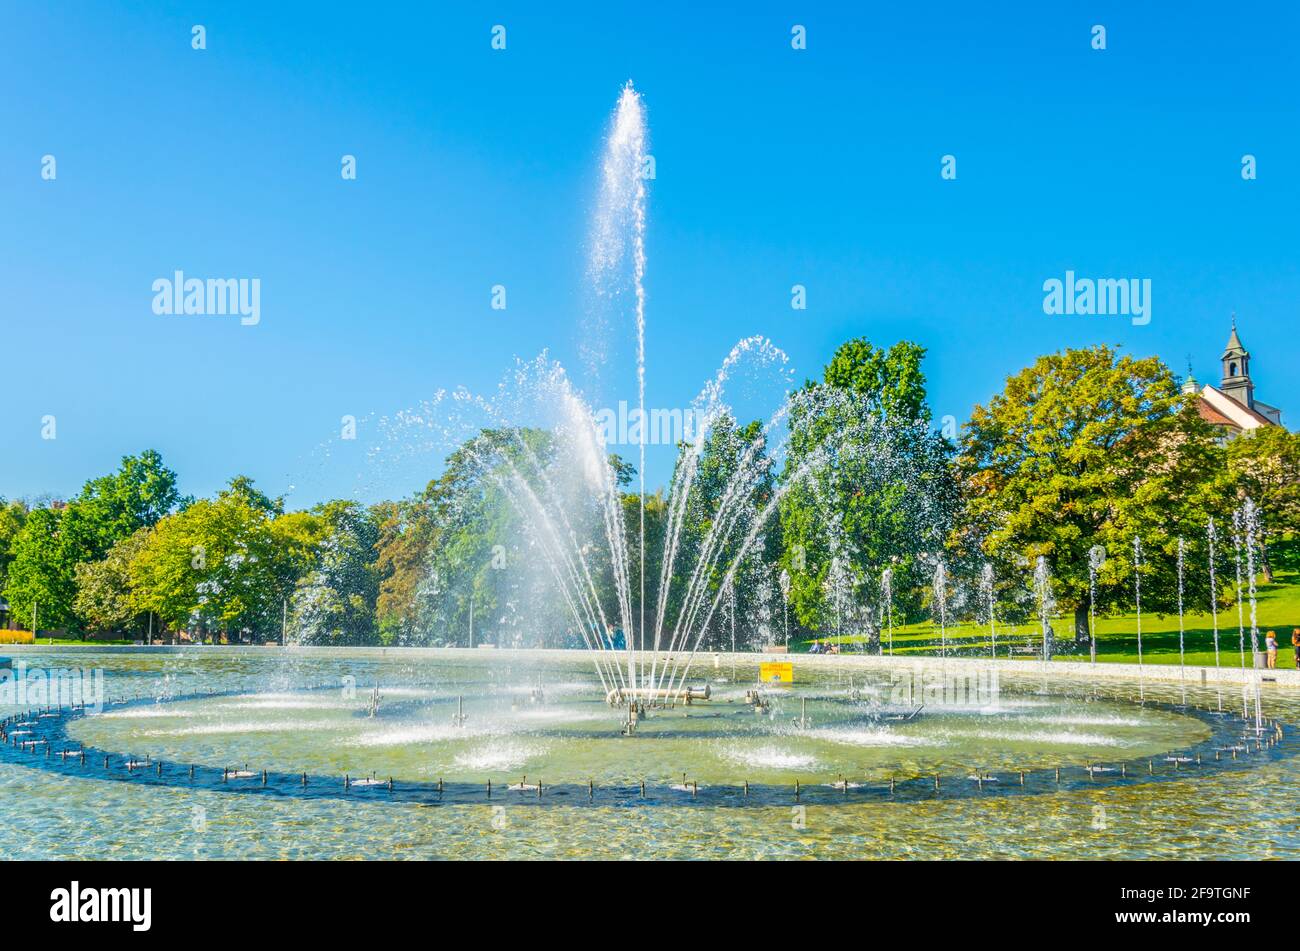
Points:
x=1295, y=644
x=1270, y=644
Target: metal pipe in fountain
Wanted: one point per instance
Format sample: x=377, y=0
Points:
x=619, y=696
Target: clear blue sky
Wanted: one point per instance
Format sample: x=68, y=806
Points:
x=477, y=167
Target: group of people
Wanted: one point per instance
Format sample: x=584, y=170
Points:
x=823, y=647
x=1270, y=645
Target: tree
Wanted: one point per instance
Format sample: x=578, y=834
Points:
x=113, y=507
x=732, y=482
x=1265, y=466
x=214, y=565
x=443, y=555
x=108, y=510
x=40, y=575
x=105, y=598
x=868, y=482
x=12, y=516
x=1089, y=447
x=334, y=603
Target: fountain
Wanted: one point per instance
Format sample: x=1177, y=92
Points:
x=1096, y=561
x=1210, y=538
x=785, y=604
x=1236, y=541
x=1182, y=655
x=1137, y=592
x=622, y=723
x=1046, y=603
x=941, y=604
x=839, y=585
x=887, y=598
x=988, y=588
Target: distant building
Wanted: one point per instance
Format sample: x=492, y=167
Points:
x=1232, y=405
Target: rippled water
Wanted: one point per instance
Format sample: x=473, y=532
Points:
x=297, y=712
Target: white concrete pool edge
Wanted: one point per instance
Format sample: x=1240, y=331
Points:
x=957, y=666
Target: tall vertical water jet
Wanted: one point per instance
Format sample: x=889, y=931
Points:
x=620, y=235
x=731, y=612
x=1182, y=665
x=784, y=582
x=887, y=597
x=839, y=585
x=1137, y=593
x=986, y=582
x=1251, y=519
x=941, y=604
x=1210, y=538
x=1046, y=603
x=1241, y=621
x=1096, y=560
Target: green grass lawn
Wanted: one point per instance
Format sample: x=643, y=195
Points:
x=1278, y=607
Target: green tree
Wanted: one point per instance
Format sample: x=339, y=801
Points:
x=869, y=484
x=732, y=482
x=1088, y=447
x=105, y=598
x=214, y=566
x=445, y=553
x=12, y=516
x=41, y=572
x=1265, y=466
x=113, y=507
x=335, y=602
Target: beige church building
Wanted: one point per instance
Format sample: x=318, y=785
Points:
x=1232, y=404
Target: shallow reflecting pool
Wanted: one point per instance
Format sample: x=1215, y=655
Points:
x=361, y=755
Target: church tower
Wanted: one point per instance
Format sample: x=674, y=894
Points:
x=1236, y=370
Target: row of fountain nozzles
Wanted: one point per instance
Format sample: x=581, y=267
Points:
x=619, y=696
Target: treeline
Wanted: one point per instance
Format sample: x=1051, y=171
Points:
x=864, y=515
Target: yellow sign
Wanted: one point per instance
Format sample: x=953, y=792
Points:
x=776, y=672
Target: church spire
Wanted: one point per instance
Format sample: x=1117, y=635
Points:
x=1236, y=370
